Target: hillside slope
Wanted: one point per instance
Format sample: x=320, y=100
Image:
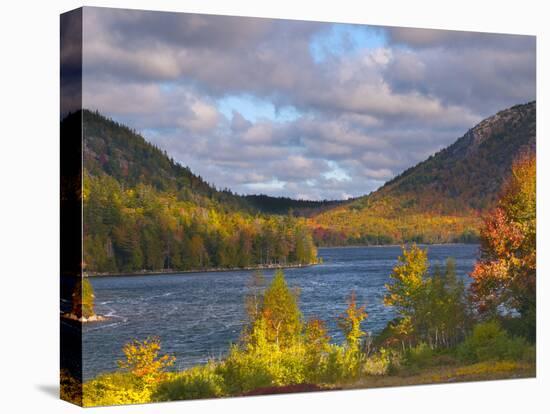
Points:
x=116, y=150
x=144, y=212
x=439, y=199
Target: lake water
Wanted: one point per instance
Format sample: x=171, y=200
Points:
x=197, y=315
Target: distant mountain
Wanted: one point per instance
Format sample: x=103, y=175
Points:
x=440, y=198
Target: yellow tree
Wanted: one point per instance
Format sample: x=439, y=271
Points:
x=281, y=312
x=408, y=289
x=350, y=323
x=144, y=361
x=408, y=279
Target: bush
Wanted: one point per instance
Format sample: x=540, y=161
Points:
x=70, y=388
x=341, y=364
x=266, y=366
x=143, y=359
x=421, y=356
x=379, y=364
x=194, y=383
x=242, y=372
x=488, y=342
x=115, y=389
x=520, y=326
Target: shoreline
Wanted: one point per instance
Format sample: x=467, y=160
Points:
x=208, y=270
x=357, y=246
x=252, y=268
x=91, y=319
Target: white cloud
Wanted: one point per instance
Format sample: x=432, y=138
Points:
x=357, y=118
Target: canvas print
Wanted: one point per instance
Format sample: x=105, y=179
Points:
x=258, y=206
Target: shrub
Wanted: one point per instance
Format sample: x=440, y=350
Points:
x=263, y=366
x=420, y=356
x=350, y=323
x=341, y=364
x=70, y=388
x=380, y=363
x=143, y=359
x=197, y=382
x=489, y=341
x=242, y=372
x=115, y=389
x=333, y=370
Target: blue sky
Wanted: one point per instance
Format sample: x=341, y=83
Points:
x=342, y=39
x=255, y=109
x=295, y=108
x=336, y=41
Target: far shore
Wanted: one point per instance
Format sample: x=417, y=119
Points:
x=251, y=268
x=358, y=246
x=207, y=270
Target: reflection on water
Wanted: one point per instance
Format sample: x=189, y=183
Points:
x=197, y=315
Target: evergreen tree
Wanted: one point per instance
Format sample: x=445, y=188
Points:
x=281, y=312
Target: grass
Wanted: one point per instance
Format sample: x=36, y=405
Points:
x=482, y=371
x=211, y=381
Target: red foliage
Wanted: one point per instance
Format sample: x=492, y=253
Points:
x=506, y=273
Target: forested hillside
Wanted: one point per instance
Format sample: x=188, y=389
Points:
x=285, y=205
x=143, y=211
x=440, y=199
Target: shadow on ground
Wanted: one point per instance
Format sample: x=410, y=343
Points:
x=49, y=389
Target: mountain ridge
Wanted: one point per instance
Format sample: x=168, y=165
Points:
x=144, y=213
x=449, y=190
x=158, y=169
x=512, y=130
x=437, y=200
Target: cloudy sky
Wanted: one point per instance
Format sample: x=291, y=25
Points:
x=301, y=109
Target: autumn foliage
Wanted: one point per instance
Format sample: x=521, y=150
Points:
x=280, y=312
x=350, y=322
x=143, y=359
x=504, y=279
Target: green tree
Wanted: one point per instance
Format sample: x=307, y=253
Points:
x=432, y=307
x=83, y=299
x=407, y=289
x=445, y=315
x=281, y=312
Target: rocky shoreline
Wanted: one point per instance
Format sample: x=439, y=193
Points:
x=94, y=318
x=207, y=270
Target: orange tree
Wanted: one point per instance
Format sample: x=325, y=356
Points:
x=143, y=359
x=505, y=276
